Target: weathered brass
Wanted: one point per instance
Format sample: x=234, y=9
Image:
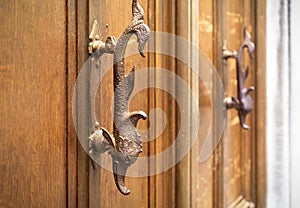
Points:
x=125, y=144
x=244, y=102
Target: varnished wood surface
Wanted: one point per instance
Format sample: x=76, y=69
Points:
x=162, y=18
x=232, y=26
x=72, y=143
x=183, y=170
x=33, y=104
x=260, y=117
x=239, y=145
x=202, y=173
x=42, y=162
x=114, y=24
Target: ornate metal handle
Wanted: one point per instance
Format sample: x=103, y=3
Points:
x=244, y=102
x=125, y=144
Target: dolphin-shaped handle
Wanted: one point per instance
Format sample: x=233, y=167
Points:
x=244, y=102
x=125, y=144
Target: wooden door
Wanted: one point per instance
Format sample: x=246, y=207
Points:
x=33, y=104
x=43, y=49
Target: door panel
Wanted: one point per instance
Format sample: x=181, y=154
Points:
x=33, y=104
x=114, y=25
x=43, y=49
x=238, y=144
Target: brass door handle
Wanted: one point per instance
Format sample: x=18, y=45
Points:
x=125, y=144
x=243, y=103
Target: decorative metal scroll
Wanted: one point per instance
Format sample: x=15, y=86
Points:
x=244, y=102
x=125, y=144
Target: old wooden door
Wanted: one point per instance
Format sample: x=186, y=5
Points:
x=43, y=49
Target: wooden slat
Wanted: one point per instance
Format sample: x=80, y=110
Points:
x=33, y=104
x=152, y=20
x=183, y=174
x=260, y=97
x=83, y=102
x=202, y=28
x=218, y=168
x=218, y=94
x=71, y=78
x=163, y=195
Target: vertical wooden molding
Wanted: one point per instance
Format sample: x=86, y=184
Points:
x=218, y=38
x=260, y=117
x=183, y=168
x=162, y=19
x=83, y=100
x=152, y=20
x=71, y=52
x=202, y=176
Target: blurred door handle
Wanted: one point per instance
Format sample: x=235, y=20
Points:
x=243, y=103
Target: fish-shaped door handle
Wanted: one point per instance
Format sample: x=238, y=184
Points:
x=124, y=144
x=243, y=103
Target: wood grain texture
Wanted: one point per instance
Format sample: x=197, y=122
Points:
x=94, y=170
x=33, y=108
x=183, y=170
x=218, y=169
x=239, y=145
x=232, y=26
x=202, y=180
x=113, y=24
x=260, y=97
x=84, y=116
x=43, y=164
x=164, y=193
x=152, y=18
x=249, y=142
x=72, y=142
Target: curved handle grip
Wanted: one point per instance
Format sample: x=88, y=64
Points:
x=244, y=102
x=125, y=144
